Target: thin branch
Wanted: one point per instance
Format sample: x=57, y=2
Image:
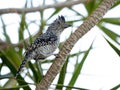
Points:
x=89, y=23
x=41, y=8
x=4, y=45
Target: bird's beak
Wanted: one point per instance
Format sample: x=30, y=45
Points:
x=67, y=25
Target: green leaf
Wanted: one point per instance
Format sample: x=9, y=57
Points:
x=22, y=27
x=39, y=71
x=77, y=12
x=21, y=31
x=115, y=21
x=114, y=47
x=110, y=33
x=116, y=87
x=4, y=31
x=91, y=5
x=116, y=4
x=42, y=22
x=34, y=71
x=74, y=88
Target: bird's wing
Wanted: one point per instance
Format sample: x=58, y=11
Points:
x=43, y=40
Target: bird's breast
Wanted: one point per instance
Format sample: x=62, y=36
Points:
x=48, y=50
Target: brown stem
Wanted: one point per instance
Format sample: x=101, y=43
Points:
x=41, y=8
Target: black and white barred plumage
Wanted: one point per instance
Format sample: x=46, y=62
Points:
x=46, y=44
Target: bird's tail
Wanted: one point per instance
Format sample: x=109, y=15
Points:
x=20, y=68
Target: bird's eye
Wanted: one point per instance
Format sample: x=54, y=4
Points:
x=58, y=23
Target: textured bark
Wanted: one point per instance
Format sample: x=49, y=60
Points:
x=91, y=21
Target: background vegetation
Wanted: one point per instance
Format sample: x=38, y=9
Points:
x=12, y=53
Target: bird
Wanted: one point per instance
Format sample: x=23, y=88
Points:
x=45, y=44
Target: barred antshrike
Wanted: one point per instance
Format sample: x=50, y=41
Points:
x=46, y=44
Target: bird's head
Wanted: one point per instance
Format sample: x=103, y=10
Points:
x=58, y=25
